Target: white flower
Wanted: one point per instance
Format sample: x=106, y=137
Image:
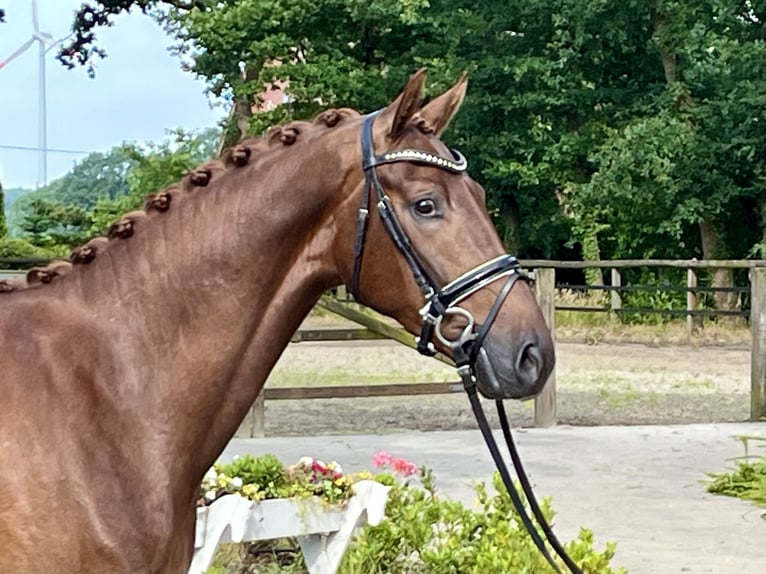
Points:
x=306, y=461
x=211, y=474
x=210, y=495
x=236, y=482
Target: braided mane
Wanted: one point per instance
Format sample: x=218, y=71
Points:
x=245, y=153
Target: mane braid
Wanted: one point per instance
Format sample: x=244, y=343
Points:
x=203, y=175
x=156, y=204
x=45, y=275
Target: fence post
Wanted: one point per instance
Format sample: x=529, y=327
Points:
x=258, y=412
x=691, y=300
x=253, y=424
x=545, y=288
x=758, y=348
x=616, y=297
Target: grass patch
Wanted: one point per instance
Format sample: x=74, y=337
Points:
x=700, y=384
x=605, y=327
x=748, y=480
x=599, y=327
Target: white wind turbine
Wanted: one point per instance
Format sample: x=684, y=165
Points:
x=45, y=42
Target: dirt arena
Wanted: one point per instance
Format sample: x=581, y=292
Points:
x=598, y=384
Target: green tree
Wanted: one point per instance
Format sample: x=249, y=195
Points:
x=546, y=80
x=153, y=167
x=684, y=176
x=3, y=228
x=70, y=198
x=55, y=226
x=331, y=52
x=598, y=128
x=82, y=48
x=102, y=187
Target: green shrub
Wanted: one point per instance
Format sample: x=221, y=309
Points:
x=423, y=533
x=748, y=480
x=13, y=247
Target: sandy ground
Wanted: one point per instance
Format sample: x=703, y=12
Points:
x=600, y=384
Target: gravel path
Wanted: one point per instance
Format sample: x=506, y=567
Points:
x=602, y=384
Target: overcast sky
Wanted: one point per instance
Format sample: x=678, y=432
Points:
x=138, y=93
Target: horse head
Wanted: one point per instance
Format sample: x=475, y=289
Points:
x=425, y=250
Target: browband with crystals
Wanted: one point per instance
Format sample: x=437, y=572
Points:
x=456, y=165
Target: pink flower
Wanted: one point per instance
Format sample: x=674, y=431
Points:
x=383, y=458
x=404, y=467
x=319, y=466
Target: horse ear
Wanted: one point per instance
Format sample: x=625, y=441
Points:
x=401, y=110
x=440, y=111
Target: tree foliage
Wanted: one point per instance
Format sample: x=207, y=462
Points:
x=331, y=52
x=82, y=49
x=154, y=166
x=599, y=129
x=3, y=228
x=104, y=186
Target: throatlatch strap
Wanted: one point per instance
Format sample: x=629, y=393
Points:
x=361, y=233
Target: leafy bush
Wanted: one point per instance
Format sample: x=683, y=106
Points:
x=665, y=294
x=12, y=247
x=748, y=480
x=422, y=533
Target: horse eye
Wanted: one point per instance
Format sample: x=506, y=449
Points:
x=425, y=207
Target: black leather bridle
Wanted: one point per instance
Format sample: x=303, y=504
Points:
x=442, y=302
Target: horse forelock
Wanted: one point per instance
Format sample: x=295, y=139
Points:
x=244, y=154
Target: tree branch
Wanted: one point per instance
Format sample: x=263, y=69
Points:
x=82, y=49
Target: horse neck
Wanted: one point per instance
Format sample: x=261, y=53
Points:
x=201, y=305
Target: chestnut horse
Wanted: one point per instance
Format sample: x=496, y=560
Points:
x=125, y=371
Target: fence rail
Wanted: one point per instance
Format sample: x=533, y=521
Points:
x=616, y=287
x=546, y=288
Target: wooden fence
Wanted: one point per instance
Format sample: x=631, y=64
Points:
x=546, y=286
x=756, y=314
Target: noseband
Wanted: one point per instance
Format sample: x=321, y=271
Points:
x=442, y=303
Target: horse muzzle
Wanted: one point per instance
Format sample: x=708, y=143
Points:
x=519, y=371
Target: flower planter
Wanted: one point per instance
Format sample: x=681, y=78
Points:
x=323, y=530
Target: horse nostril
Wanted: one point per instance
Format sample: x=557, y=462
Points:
x=529, y=363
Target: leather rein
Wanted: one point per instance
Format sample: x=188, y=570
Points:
x=441, y=302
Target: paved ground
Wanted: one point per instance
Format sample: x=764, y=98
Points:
x=640, y=486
